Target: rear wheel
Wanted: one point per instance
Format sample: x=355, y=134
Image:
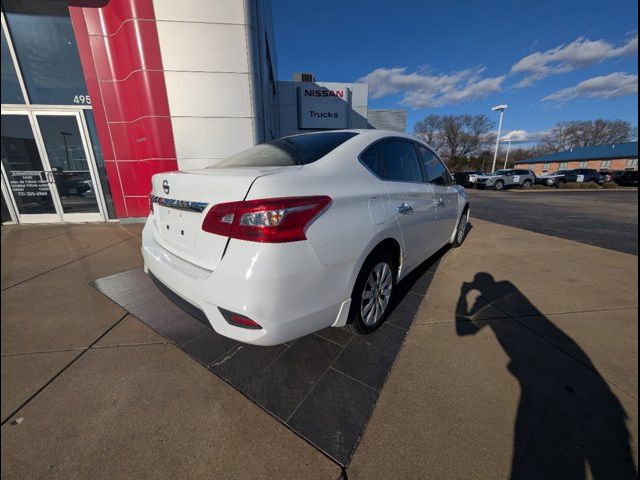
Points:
x=499, y=185
x=372, y=293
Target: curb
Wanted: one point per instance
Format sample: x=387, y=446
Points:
x=565, y=190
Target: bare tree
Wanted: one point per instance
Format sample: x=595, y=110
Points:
x=575, y=134
x=430, y=130
x=456, y=136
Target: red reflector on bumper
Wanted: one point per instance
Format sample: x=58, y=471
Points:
x=238, y=320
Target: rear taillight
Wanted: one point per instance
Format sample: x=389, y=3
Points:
x=272, y=220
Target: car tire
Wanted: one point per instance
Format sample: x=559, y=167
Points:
x=560, y=184
x=527, y=184
x=461, y=230
x=499, y=185
x=377, y=279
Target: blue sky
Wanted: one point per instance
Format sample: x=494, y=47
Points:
x=549, y=60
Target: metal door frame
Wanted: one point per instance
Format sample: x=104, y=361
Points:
x=59, y=216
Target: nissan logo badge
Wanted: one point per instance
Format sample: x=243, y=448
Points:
x=165, y=187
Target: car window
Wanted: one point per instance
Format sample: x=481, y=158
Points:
x=434, y=170
x=371, y=159
x=295, y=150
x=399, y=162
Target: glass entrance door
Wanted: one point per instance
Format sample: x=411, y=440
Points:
x=25, y=172
x=70, y=168
x=47, y=164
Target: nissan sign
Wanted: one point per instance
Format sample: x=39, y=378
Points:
x=321, y=107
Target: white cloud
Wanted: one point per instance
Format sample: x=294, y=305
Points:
x=565, y=58
x=423, y=90
x=606, y=86
x=522, y=136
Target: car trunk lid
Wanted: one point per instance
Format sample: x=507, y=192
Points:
x=182, y=200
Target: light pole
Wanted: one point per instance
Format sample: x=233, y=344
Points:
x=506, y=158
x=501, y=109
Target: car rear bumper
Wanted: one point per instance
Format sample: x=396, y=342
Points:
x=282, y=287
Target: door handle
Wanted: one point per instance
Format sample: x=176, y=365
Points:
x=405, y=209
x=50, y=177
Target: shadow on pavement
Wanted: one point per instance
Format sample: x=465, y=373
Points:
x=565, y=425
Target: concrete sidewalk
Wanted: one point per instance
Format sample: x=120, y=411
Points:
x=505, y=376
x=539, y=380
x=101, y=395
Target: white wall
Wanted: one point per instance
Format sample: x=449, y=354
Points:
x=214, y=61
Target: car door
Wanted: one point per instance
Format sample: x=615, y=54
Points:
x=447, y=196
x=412, y=200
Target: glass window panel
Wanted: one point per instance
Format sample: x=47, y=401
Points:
x=68, y=160
x=371, y=158
x=46, y=49
x=433, y=168
x=23, y=166
x=11, y=92
x=399, y=162
x=97, y=154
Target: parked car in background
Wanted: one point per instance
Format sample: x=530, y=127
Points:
x=628, y=179
x=614, y=174
x=467, y=178
x=507, y=178
x=550, y=179
x=302, y=233
x=578, y=175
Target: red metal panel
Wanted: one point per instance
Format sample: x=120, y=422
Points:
x=136, y=97
x=105, y=18
x=137, y=206
x=120, y=54
x=134, y=174
x=144, y=139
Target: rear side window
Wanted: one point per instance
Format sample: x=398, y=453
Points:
x=399, y=162
x=288, y=151
x=434, y=170
x=371, y=159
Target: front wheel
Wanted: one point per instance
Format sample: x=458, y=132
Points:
x=527, y=184
x=372, y=293
x=499, y=185
x=461, y=231
x=560, y=184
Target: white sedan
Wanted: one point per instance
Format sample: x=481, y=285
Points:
x=302, y=233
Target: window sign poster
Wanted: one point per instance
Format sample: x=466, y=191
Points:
x=27, y=184
x=320, y=107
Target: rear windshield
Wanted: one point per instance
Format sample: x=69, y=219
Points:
x=288, y=151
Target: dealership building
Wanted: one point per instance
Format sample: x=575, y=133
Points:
x=99, y=95
x=608, y=158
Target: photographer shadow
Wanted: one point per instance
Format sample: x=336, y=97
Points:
x=568, y=419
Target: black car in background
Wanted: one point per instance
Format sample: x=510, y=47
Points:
x=577, y=175
x=467, y=178
x=628, y=179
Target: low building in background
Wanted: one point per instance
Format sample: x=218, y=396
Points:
x=394, y=120
x=607, y=158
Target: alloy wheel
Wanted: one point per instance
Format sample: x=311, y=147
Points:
x=376, y=294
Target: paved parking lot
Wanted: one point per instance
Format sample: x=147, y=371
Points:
x=513, y=368
x=604, y=218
